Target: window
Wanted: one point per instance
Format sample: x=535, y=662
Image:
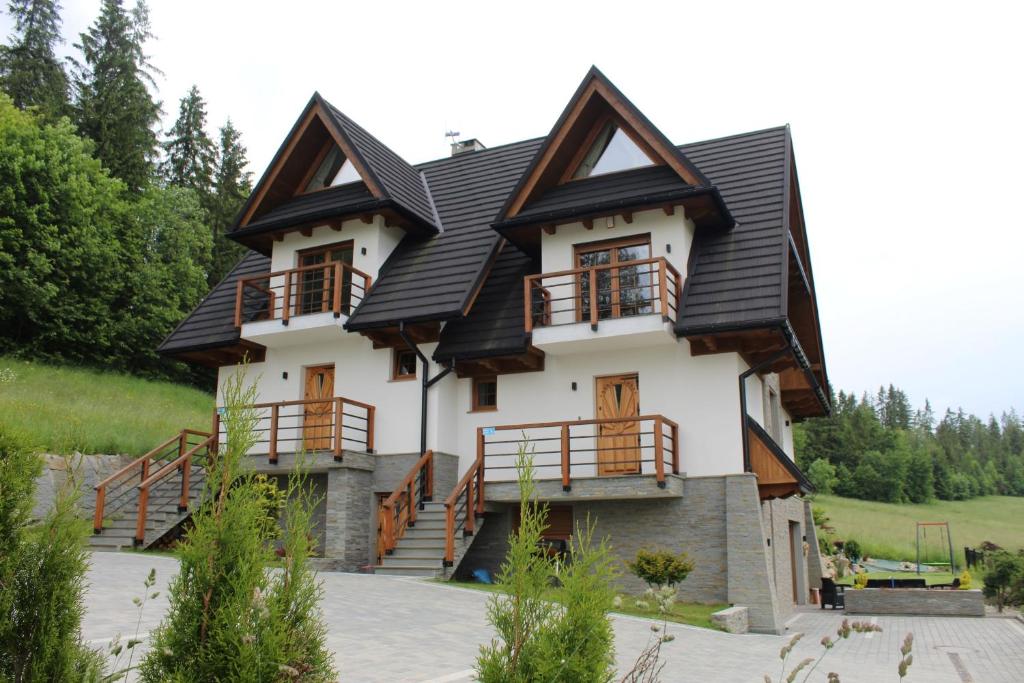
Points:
x=485, y=393
x=334, y=169
x=621, y=291
x=403, y=364
x=612, y=150
x=315, y=287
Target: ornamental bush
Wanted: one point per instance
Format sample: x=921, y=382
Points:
x=852, y=550
x=661, y=567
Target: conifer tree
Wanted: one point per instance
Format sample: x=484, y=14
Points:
x=232, y=185
x=189, y=151
x=113, y=103
x=29, y=69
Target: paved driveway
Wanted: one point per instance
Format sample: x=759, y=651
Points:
x=406, y=630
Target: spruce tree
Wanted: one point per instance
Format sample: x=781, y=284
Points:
x=112, y=100
x=232, y=185
x=189, y=151
x=29, y=69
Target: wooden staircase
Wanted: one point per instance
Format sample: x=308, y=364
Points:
x=142, y=502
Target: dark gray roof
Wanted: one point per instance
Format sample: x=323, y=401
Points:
x=735, y=278
x=433, y=279
x=494, y=326
x=399, y=180
x=313, y=206
x=212, y=323
x=635, y=187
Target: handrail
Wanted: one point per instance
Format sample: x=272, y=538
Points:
x=669, y=291
x=279, y=425
x=398, y=511
x=472, y=487
x=141, y=463
x=661, y=455
x=183, y=461
x=329, y=292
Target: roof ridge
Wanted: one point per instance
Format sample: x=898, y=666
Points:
x=476, y=154
x=734, y=136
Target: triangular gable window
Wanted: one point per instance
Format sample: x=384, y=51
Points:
x=334, y=170
x=612, y=150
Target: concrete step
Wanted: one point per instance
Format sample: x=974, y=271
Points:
x=419, y=560
x=421, y=571
x=431, y=524
x=408, y=551
x=417, y=542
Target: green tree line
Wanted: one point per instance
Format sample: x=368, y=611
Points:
x=110, y=231
x=880, y=448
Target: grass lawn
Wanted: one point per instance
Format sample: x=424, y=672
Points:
x=693, y=614
x=64, y=409
x=885, y=530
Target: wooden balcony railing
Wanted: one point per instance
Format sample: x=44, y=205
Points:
x=463, y=506
x=329, y=287
x=115, y=491
x=642, y=287
x=398, y=511
x=314, y=425
x=642, y=445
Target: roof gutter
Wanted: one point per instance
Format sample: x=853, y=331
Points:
x=425, y=389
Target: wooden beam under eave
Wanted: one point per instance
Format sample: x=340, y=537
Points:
x=627, y=216
x=278, y=236
x=366, y=218
x=549, y=229
x=588, y=223
x=669, y=210
x=306, y=232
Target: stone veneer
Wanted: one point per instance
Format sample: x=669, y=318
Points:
x=717, y=522
x=915, y=601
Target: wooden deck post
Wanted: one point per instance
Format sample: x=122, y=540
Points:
x=528, y=303
x=97, y=518
x=593, y=298
x=337, y=289
x=272, y=447
x=479, y=472
x=675, y=449
x=186, y=471
x=371, y=414
x=663, y=288
x=286, y=305
x=339, y=413
x=470, y=513
x=216, y=432
x=566, y=479
x=239, y=289
x=140, y=521
x=659, y=451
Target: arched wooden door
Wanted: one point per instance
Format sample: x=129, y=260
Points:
x=618, y=443
x=318, y=417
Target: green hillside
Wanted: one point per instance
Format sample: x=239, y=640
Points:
x=886, y=531
x=63, y=409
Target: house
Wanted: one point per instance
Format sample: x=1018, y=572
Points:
x=642, y=313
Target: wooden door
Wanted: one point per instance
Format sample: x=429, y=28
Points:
x=618, y=443
x=318, y=416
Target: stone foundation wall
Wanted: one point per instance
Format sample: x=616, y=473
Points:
x=915, y=601
x=783, y=521
x=92, y=469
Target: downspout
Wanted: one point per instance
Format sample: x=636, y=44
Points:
x=743, y=397
x=426, y=384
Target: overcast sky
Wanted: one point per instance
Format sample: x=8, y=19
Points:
x=907, y=121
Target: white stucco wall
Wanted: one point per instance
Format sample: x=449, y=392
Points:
x=378, y=240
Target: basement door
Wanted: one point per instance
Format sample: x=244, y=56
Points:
x=618, y=442
x=318, y=416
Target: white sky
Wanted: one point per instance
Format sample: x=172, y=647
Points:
x=906, y=117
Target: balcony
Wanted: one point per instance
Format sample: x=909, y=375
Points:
x=314, y=426
x=603, y=459
x=299, y=306
x=634, y=305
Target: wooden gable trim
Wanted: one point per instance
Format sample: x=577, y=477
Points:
x=628, y=119
x=315, y=111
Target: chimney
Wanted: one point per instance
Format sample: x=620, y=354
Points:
x=463, y=146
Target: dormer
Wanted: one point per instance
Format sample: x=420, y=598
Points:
x=603, y=158
x=327, y=171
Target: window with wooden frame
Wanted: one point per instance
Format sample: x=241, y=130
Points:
x=485, y=393
x=330, y=168
x=622, y=290
x=608, y=148
x=314, y=288
x=403, y=364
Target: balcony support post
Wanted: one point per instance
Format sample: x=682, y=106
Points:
x=272, y=452
x=593, y=299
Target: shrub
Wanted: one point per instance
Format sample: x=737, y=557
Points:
x=965, y=580
x=852, y=550
x=660, y=567
x=42, y=574
x=1004, y=579
x=538, y=639
x=860, y=581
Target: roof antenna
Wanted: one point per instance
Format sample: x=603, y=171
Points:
x=453, y=136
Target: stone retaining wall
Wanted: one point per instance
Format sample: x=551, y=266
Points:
x=915, y=601
x=92, y=469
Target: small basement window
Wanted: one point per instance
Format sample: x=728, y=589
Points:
x=485, y=393
x=403, y=364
